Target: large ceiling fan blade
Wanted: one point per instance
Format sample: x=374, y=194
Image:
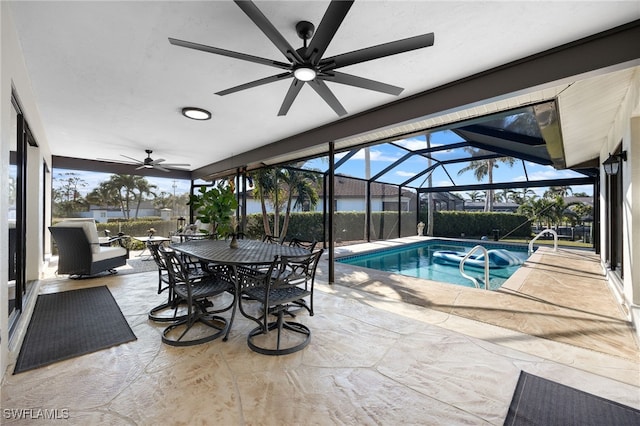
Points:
x=132, y=159
x=292, y=93
x=255, y=83
x=258, y=18
x=158, y=167
x=176, y=165
x=159, y=160
x=321, y=89
x=111, y=160
x=379, y=51
x=330, y=23
x=365, y=83
x=229, y=53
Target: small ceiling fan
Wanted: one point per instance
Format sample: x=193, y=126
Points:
x=150, y=163
x=306, y=64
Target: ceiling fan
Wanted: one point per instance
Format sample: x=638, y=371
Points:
x=150, y=163
x=306, y=64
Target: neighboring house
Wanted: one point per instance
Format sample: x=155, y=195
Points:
x=146, y=209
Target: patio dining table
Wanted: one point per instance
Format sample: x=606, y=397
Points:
x=248, y=253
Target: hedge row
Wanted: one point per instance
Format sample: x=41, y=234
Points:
x=349, y=226
x=473, y=224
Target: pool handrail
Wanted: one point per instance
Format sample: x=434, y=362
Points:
x=486, y=266
x=540, y=234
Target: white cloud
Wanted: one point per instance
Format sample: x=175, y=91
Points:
x=405, y=174
x=375, y=155
x=415, y=144
x=550, y=174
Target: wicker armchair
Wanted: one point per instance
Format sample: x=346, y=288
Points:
x=82, y=253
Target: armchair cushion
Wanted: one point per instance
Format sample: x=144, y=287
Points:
x=90, y=230
x=108, y=253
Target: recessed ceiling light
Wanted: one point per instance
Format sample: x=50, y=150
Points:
x=196, y=113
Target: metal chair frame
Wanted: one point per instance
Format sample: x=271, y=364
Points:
x=195, y=291
x=285, y=283
x=308, y=245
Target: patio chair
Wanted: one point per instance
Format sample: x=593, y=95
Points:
x=82, y=253
x=308, y=245
x=168, y=311
x=200, y=325
x=271, y=239
x=194, y=231
x=287, y=282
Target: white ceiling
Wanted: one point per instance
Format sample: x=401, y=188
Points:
x=107, y=81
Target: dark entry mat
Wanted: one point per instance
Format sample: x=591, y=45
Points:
x=538, y=401
x=72, y=323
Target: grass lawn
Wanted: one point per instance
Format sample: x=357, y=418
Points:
x=561, y=242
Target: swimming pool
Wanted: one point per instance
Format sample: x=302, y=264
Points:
x=417, y=260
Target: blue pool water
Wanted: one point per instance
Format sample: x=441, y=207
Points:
x=416, y=260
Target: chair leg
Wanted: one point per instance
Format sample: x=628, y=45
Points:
x=173, y=303
x=300, y=330
x=155, y=314
x=233, y=315
x=217, y=323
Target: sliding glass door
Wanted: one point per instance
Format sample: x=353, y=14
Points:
x=21, y=139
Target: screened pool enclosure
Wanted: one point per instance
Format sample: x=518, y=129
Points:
x=377, y=187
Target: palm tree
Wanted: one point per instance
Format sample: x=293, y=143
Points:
x=104, y=195
x=523, y=195
x=543, y=210
x=301, y=188
x=143, y=189
x=502, y=196
x=266, y=188
x=484, y=168
x=475, y=196
x=120, y=186
x=562, y=191
x=128, y=189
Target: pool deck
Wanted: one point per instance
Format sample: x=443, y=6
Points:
x=562, y=297
x=386, y=350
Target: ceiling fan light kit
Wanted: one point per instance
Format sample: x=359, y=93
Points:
x=306, y=64
x=196, y=113
x=304, y=73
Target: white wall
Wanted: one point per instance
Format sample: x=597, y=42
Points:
x=626, y=129
x=13, y=73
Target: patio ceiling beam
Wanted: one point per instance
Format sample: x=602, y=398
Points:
x=511, y=153
x=617, y=47
x=502, y=134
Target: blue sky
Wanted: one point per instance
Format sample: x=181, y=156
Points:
x=383, y=155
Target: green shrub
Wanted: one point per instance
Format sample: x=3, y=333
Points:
x=477, y=224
